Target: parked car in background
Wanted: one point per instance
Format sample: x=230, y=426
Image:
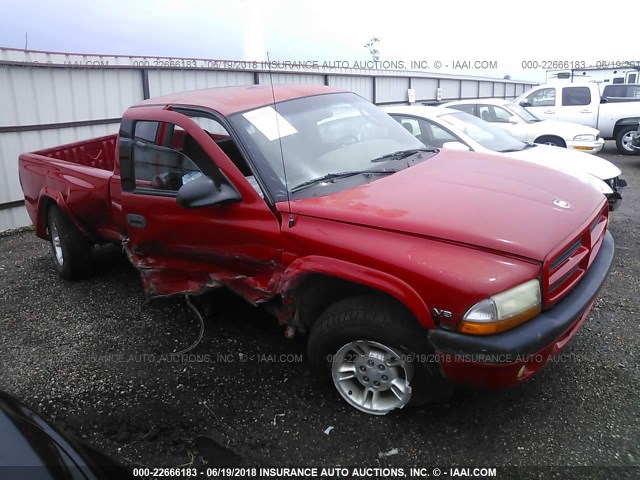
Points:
x=527, y=127
x=582, y=103
x=452, y=129
x=411, y=268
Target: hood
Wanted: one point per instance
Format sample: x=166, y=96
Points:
x=482, y=200
x=564, y=129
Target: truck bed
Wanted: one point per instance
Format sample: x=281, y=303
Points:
x=97, y=152
x=76, y=177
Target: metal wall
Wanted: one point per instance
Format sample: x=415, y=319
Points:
x=163, y=82
x=50, y=98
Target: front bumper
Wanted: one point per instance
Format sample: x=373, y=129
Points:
x=587, y=147
x=498, y=361
x=617, y=184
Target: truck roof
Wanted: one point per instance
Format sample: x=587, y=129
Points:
x=230, y=100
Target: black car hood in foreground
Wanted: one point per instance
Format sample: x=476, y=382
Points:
x=32, y=448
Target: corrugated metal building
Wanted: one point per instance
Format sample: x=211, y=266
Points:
x=49, y=98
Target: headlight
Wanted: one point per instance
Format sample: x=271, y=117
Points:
x=503, y=311
x=584, y=138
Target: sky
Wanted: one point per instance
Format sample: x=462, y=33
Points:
x=507, y=33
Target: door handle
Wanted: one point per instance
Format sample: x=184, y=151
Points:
x=585, y=111
x=137, y=221
x=549, y=111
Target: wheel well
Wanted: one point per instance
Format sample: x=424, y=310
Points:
x=556, y=137
x=317, y=292
x=43, y=212
x=627, y=122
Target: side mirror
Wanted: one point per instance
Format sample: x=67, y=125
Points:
x=458, y=146
x=513, y=119
x=203, y=192
x=525, y=104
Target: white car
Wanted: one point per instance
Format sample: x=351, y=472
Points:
x=526, y=127
x=455, y=130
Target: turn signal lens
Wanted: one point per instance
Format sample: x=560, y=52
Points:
x=503, y=311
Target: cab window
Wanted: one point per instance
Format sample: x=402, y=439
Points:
x=576, y=96
x=163, y=168
x=545, y=97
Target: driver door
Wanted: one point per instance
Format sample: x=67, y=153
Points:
x=181, y=249
x=542, y=103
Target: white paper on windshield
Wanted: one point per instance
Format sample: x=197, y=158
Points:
x=270, y=123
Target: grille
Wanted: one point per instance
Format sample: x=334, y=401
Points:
x=565, y=268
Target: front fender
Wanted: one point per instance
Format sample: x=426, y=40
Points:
x=362, y=275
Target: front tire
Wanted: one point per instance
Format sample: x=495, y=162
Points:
x=70, y=249
x=624, y=139
x=376, y=355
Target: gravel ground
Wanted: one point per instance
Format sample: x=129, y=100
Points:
x=94, y=357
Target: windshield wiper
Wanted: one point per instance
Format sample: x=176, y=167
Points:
x=337, y=176
x=400, y=154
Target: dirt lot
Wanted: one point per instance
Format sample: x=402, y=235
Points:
x=93, y=357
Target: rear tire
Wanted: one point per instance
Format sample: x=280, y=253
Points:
x=379, y=342
x=70, y=249
x=624, y=138
x=552, y=141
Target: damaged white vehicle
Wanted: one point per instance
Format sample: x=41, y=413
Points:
x=455, y=130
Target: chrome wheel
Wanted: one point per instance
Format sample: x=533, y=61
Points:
x=372, y=377
x=626, y=141
x=55, y=241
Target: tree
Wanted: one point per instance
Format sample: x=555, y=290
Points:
x=507, y=77
x=375, y=54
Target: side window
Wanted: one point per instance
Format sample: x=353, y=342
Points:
x=468, y=108
x=427, y=132
x=632, y=77
x=160, y=167
x=618, y=80
x=575, y=96
x=165, y=156
x=411, y=125
x=487, y=113
x=440, y=136
x=612, y=91
x=225, y=142
x=146, y=131
x=502, y=115
x=545, y=97
x=221, y=136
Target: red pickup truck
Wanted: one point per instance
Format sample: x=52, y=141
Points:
x=411, y=269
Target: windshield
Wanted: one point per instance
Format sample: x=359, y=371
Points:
x=490, y=137
x=323, y=136
x=523, y=113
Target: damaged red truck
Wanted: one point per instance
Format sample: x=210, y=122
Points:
x=411, y=269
